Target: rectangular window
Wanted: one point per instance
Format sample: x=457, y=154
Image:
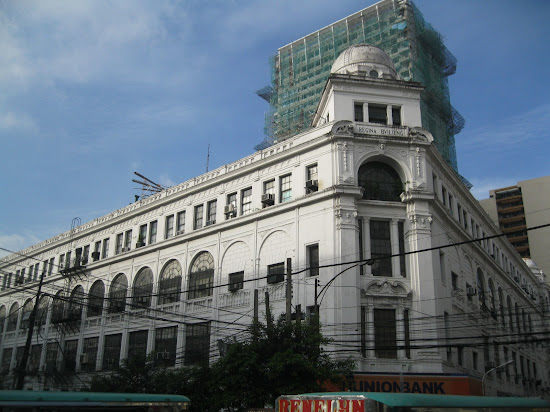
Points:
x=396, y=116
x=475, y=361
x=451, y=205
x=231, y=206
x=105, y=249
x=454, y=280
x=31, y=268
x=380, y=247
x=85, y=254
x=312, y=183
x=61, y=265
x=68, y=260
x=152, y=232
x=460, y=355
x=165, y=345
x=89, y=354
x=276, y=273
x=180, y=223
x=35, y=277
x=407, y=334
x=465, y=219
x=169, y=227
x=199, y=212
x=236, y=281
x=358, y=111
x=69, y=355
x=197, y=343
x=246, y=201
x=128, y=240
x=446, y=331
x=459, y=212
x=119, y=243
x=111, y=351
x=402, y=260
x=385, y=337
x=435, y=186
x=142, y=237
x=442, y=267
x=312, y=254
x=286, y=188
x=137, y=345
x=211, y=210
x=378, y=114
x=34, y=358
x=444, y=196
x=50, y=267
x=268, y=197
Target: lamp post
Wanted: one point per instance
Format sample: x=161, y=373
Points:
x=490, y=370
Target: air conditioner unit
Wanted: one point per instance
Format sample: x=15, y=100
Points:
x=471, y=291
x=84, y=359
x=180, y=232
x=95, y=256
x=229, y=209
x=163, y=355
x=312, y=185
x=210, y=222
x=516, y=278
x=268, y=199
x=489, y=365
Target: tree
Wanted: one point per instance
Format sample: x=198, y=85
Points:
x=284, y=358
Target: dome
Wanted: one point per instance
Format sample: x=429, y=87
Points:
x=364, y=59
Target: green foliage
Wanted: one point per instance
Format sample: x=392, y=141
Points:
x=279, y=358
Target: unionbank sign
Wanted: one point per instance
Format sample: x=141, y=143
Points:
x=430, y=384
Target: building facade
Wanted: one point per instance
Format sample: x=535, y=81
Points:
x=515, y=209
x=417, y=291
x=300, y=70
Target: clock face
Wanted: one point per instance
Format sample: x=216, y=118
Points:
x=373, y=73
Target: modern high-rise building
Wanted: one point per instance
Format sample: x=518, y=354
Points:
x=300, y=70
x=517, y=208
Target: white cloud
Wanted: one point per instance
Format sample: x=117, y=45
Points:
x=518, y=130
x=11, y=121
x=16, y=242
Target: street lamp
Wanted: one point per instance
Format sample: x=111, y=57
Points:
x=490, y=370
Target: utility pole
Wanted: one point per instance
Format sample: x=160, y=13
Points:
x=269, y=320
x=288, y=289
x=22, y=367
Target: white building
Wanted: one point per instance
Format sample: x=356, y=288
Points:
x=175, y=273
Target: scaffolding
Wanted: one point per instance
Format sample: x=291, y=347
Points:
x=300, y=70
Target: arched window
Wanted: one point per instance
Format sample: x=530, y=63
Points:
x=510, y=313
x=170, y=283
x=143, y=288
x=57, y=307
x=380, y=182
x=42, y=311
x=95, y=299
x=26, y=314
x=117, y=294
x=12, y=318
x=3, y=314
x=481, y=289
x=201, y=276
x=75, y=303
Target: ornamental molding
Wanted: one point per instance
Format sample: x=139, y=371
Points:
x=388, y=288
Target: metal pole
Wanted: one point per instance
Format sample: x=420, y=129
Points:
x=288, y=289
x=22, y=367
x=489, y=371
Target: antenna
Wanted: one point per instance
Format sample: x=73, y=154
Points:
x=207, y=157
x=148, y=187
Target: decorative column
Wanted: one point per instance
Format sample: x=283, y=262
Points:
x=394, y=240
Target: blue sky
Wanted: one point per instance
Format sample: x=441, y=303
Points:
x=93, y=90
